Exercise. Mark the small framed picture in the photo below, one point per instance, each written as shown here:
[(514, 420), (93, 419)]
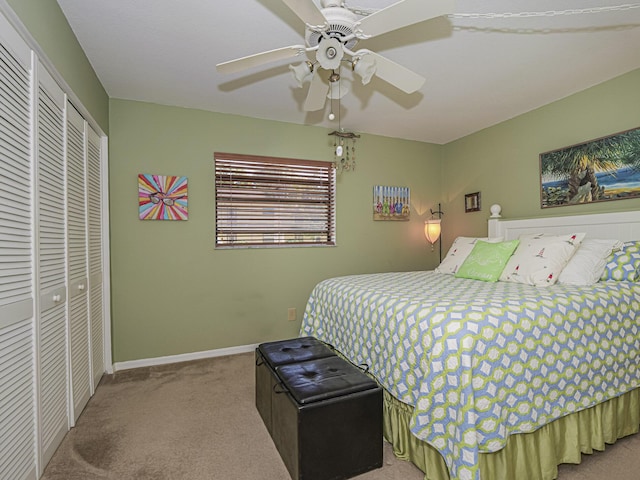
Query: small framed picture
[(391, 203), (472, 202), (162, 197)]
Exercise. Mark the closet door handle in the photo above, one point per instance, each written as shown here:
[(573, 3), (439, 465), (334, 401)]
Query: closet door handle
[(81, 287), (56, 298)]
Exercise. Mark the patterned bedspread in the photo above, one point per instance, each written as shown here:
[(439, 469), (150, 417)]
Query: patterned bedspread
[(480, 361)]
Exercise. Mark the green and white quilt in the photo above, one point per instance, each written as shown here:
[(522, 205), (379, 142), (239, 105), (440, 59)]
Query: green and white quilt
[(480, 361)]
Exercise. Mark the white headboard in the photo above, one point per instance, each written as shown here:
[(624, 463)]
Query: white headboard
[(619, 225)]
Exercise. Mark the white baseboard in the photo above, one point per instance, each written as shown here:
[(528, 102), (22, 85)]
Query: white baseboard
[(183, 357)]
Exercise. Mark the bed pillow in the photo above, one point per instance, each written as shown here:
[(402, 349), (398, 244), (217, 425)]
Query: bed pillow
[(623, 265), (459, 251), (487, 260), (588, 263), (540, 258)]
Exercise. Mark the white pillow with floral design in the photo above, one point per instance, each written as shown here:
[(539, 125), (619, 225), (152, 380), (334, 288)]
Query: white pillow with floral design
[(539, 259), (459, 251)]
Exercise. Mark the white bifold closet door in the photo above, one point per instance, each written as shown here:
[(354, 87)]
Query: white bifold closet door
[(53, 308), (17, 379), (79, 336), (95, 245), (51, 273)]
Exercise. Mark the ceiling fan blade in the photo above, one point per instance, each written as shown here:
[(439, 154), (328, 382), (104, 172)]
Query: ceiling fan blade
[(257, 59), (394, 73), (402, 14), (317, 94), (307, 11)]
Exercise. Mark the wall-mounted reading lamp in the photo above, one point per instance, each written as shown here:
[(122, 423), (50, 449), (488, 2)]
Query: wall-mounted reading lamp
[(433, 228)]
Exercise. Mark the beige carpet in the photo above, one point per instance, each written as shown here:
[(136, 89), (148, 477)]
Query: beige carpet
[(197, 421)]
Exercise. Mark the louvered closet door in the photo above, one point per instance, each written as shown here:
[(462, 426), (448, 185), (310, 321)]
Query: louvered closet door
[(50, 227), (77, 262), (17, 380), (94, 211)]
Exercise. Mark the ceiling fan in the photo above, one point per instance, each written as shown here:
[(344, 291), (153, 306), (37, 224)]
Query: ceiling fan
[(331, 34)]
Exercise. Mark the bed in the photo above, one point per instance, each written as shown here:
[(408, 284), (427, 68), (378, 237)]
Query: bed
[(498, 379)]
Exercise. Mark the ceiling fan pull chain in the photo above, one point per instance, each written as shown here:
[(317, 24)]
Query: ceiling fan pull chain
[(332, 115)]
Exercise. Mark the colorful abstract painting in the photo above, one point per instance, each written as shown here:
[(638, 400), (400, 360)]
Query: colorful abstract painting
[(162, 197)]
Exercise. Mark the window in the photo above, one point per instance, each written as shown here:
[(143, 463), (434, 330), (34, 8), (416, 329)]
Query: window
[(266, 201)]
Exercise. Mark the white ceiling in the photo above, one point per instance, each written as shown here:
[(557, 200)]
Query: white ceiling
[(479, 71)]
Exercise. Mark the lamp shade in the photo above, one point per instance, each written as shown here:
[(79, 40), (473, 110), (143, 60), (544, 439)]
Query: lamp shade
[(432, 229), (365, 67), (301, 72), (330, 53)]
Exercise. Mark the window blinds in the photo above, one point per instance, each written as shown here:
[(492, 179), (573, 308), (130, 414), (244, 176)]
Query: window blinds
[(266, 201)]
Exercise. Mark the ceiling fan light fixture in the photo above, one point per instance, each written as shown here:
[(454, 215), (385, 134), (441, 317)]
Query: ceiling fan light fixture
[(331, 32), (365, 67), (302, 72), (329, 53)]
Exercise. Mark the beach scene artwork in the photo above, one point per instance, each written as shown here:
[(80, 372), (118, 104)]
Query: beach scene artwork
[(600, 170), (391, 203)]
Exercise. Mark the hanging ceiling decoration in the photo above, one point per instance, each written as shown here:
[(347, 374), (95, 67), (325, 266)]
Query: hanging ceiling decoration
[(344, 142), (344, 150), (331, 34)]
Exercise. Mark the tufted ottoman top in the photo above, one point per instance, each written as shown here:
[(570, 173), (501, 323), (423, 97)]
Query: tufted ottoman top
[(294, 350), (323, 378)]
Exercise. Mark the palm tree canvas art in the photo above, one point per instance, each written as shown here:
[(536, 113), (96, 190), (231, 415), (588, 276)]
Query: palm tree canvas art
[(604, 169)]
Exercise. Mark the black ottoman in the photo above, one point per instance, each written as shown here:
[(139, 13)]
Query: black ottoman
[(273, 354), (327, 419)]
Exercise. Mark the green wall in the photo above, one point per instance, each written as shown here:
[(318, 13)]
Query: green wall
[(49, 27), (502, 162), (174, 293)]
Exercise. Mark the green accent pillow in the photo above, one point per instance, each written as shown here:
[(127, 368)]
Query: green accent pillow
[(487, 260)]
